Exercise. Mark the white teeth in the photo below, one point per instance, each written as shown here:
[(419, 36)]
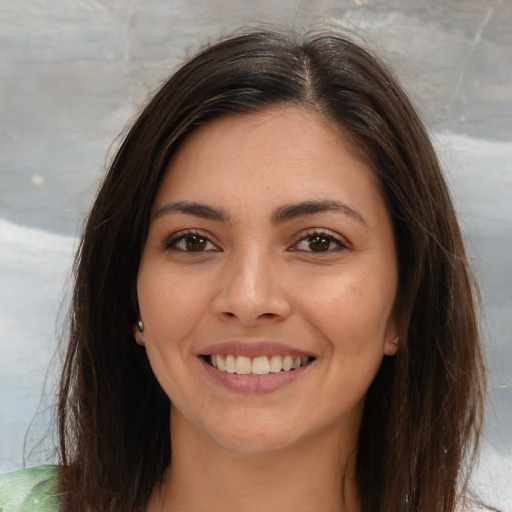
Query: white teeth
[(287, 363), (275, 364), (230, 364), (262, 365), (243, 365)]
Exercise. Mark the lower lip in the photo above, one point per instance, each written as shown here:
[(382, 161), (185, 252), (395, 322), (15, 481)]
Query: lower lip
[(254, 383)]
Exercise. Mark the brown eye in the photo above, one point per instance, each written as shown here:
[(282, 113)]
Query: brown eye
[(319, 243), (195, 243), (190, 242)]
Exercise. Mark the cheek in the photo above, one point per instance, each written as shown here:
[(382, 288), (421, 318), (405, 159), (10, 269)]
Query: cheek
[(172, 306), (167, 312), (353, 308), (351, 315), (169, 304)]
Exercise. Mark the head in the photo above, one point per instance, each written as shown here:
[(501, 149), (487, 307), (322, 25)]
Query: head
[(423, 406)]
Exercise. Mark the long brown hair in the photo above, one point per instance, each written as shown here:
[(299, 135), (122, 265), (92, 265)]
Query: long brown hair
[(423, 411)]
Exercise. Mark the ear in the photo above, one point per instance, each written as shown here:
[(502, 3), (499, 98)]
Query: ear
[(391, 346), (138, 336), (391, 338)]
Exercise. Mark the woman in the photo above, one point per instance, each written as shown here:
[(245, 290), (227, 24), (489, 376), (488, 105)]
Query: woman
[(273, 308)]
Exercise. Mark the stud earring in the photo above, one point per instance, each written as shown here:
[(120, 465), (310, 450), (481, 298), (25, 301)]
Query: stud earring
[(395, 340), (140, 326)]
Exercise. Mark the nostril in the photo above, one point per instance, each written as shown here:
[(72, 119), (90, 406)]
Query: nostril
[(229, 314)]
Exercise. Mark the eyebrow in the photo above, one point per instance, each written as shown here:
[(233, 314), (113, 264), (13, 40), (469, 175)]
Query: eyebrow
[(280, 215), (292, 211), (191, 208)]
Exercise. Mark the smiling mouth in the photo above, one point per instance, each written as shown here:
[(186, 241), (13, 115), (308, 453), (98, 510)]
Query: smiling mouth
[(257, 366)]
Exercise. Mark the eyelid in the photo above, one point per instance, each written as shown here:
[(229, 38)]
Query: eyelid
[(183, 233), (336, 237)]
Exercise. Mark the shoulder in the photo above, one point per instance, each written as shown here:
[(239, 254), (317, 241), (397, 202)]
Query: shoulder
[(29, 490)]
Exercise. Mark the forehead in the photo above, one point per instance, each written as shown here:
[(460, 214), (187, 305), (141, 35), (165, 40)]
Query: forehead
[(286, 132), (283, 154)]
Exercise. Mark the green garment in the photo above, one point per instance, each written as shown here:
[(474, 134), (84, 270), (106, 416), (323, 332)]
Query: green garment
[(29, 490)]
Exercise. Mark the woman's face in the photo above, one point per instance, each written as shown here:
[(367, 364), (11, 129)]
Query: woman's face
[(270, 246)]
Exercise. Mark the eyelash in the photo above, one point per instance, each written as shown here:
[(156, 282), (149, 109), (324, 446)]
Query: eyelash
[(328, 237), (325, 235), (174, 240)]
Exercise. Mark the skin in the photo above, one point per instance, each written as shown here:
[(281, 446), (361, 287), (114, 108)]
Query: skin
[(323, 283)]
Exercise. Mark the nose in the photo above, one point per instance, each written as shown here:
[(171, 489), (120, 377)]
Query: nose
[(251, 292)]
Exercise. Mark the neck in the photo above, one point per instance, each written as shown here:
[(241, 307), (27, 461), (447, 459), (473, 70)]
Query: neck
[(317, 476)]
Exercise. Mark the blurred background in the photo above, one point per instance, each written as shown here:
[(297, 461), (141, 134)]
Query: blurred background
[(74, 73)]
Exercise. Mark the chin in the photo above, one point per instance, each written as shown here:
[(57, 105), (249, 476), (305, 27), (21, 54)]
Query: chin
[(255, 437), (256, 443)]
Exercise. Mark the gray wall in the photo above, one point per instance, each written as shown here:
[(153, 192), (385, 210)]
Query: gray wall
[(73, 73)]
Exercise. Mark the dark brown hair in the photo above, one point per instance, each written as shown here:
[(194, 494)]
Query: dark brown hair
[(424, 409)]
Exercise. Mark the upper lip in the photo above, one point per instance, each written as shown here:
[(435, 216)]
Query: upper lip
[(253, 349)]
